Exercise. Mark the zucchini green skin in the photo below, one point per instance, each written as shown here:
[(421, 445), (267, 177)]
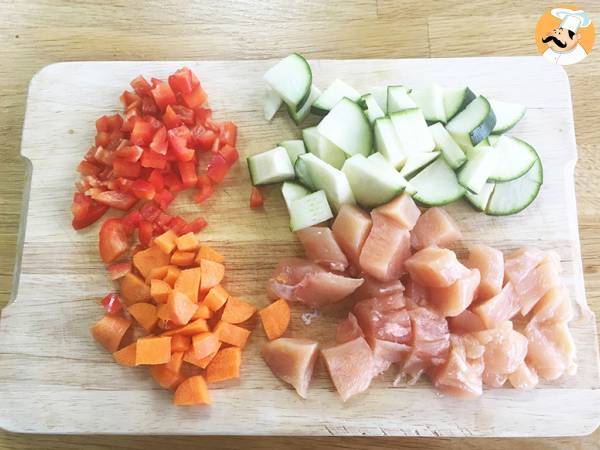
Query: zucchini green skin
[(307, 94), (485, 127), (468, 98)]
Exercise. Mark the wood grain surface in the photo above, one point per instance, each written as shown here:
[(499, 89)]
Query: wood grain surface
[(37, 33)]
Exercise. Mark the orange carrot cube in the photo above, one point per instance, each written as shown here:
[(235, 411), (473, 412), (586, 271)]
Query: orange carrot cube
[(231, 334), (134, 289), (153, 350), (192, 391), (275, 318), (172, 275), (146, 260), (180, 307), (204, 344), (187, 242), (180, 343), (109, 331), (237, 310), (209, 253), (182, 259), (212, 274), (216, 298), (225, 365), (126, 356), (190, 357), (188, 282), (160, 290), (166, 241)]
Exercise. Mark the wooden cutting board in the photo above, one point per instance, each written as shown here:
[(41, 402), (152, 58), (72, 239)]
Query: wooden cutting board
[(55, 379)]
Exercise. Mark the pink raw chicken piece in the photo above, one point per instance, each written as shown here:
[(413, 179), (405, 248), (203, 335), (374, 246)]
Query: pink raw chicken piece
[(434, 227), (351, 367), (385, 353), (499, 308), (535, 284), (551, 350), (505, 348), (386, 249), (461, 375), (384, 318), (402, 210), (490, 263), (555, 306), (321, 247), (521, 262), (348, 330), (452, 300), (351, 228), (372, 287), (292, 360), (523, 378), (435, 267), (494, 380), (415, 294), (429, 343), (465, 322), (292, 270)]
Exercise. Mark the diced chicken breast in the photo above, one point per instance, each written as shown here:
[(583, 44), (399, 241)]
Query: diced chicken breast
[(321, 247), (351, 228), (386, 249), (348, 330), (415, 294), (385, 353), (465, 322), (292, 270), (452, 300), (555, 306), (434, 227), (551, 351), (490, 263), (499, 308), (535, 284), (524, 378), (350, 366), (521, 262), (435, 267), (505, 348), (292, 360), (372, 287), (494, 380), (402, 210), (459, 376), (384, 318)]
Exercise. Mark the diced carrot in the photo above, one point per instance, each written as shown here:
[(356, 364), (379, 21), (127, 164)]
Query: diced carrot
[(166, 241), (225, 365), (192, 391), (134, 290), (216, 298), (188, 282), (180, 343), (231, 334), (204, 344), (174, 365), (166, 378), (237, 310), (209, 253), (275, 318), (160, 290), (146, 260), (180, 307), (190, 357), (163, 312), (172, 275), (144, 314), (109, 331), (182, 259), (192, 328), (187, 242), (203, 312), (153, 350), (212, 274), (126, 356), (157, 273)]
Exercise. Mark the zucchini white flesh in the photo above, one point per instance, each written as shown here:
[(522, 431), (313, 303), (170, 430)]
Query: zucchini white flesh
[(299, 116), (451, 151), (311, 136), (303, 174), (412, 131), (386, 168), (329, 179), (336, 91), (436, 184), (309, 210), (347, 127), (271, 166), (477, 169), (371, 186), (374, 111), (398, 99), (291, 78), (514, 158), (292, 191), (431, 101), (457, 99), (514, 196), (416, 162), (472, 124), (387, 142), (480, 201), (323, 148), (507, 115), (294, 148), (272, 103), (380, 94)]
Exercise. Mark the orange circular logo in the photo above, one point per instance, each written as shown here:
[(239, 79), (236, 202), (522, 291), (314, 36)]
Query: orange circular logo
[(565, 35)]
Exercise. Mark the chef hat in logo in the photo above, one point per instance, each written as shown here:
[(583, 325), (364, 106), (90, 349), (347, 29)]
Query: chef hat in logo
[(571, 20)]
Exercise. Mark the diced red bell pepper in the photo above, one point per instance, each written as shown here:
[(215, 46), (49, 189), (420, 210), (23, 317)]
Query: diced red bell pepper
[(202, 115), (178, 141), (195, 98), (170, 118), (124, 168), (163, 220), (112, 303), (145, 233), (204, 193), (177, 224), (142, 132), (229, 133), (256, 198), (143, 189), (163, 199), (119, 270), (217, 168), (102, 138), (93, 213), (113, 240), (187, 172), (216, 145), (88, 168), (154, 160), (230, 153), (156, 179), (186, 115), (160, 142), (203, 139), (127, 98), (131, 220), (120, 184), (141, 86), (80, 206), (195, 226), (163, 94), (183, 81), (131, 153), (150, 211), (149, 107), (118, 200)]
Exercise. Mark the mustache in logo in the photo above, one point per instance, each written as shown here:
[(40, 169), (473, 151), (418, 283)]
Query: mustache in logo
[(556, 41)]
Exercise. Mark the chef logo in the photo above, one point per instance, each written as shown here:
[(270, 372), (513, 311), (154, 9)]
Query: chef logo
[(565, 35)]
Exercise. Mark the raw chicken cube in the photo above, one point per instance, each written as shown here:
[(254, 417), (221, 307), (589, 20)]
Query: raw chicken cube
[(348, 330), (351, 367), (535, 284), (551, 350), (452, 300), (524, 378), (372, 287), (385, 353), (384, 318), (435, 267), (321, 247), (402, 210), (351, 228), (555, 306), (415, 294), (465, 322), (292, 360), (505, 348), (459, 376), (499, 308), (386, 249), (494, 380), (521, 262), (434, 227), (490, 263)]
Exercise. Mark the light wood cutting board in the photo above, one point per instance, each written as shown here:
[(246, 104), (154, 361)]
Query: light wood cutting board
[(55, 379)]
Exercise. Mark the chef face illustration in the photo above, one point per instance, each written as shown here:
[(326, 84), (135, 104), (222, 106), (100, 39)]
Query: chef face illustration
[(563, 42)]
